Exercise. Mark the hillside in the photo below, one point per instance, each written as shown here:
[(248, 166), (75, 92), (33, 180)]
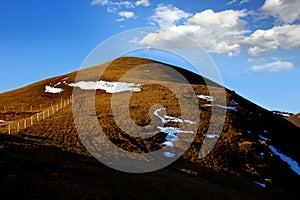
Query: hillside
[(295, 119), (48, 159)]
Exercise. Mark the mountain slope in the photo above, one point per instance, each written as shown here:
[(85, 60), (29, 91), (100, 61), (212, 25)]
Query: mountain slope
[(295, 119), (242, 165)]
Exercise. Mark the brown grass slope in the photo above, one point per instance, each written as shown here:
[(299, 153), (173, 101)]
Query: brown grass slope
[(295, 119), (49, 159)]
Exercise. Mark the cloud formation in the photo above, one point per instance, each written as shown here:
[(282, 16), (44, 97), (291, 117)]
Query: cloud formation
[(145, 3), (262, 42), (125, 15), (167, 15), (286, 11), (218, 32), (118, 4), (272, 67)]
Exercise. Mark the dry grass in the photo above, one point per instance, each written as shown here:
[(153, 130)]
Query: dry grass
[(227, 172)]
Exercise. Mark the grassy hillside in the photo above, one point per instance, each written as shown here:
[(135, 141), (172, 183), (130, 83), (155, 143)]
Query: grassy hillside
[(49, 160)]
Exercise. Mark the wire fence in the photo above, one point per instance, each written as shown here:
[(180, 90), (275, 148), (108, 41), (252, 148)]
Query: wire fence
[(29, 117)]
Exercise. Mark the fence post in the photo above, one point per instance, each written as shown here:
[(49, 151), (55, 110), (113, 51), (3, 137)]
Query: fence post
[(48, 112), (9, 129), (31, 120), (18, 127), (43, 114), (37, 117), (24, 123)]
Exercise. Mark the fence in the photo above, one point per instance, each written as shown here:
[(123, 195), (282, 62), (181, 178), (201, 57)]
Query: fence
[(16, 126)]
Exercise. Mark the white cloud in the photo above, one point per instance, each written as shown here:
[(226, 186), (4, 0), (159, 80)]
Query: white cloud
[(272, 67), (286, 11), (142, 3), (218, 32), (125, 15), (231, 2), (265, 41), (118, 4), (113, 4), (100, 2), (167, 16), (244, 1)]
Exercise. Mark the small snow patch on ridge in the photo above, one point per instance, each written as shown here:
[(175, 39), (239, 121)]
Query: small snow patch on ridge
[(53, 90)]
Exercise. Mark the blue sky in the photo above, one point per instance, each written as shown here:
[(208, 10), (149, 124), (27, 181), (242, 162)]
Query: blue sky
[(254, 43)]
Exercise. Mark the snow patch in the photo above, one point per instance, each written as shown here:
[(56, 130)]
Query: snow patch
[(171, 137), (172, 130), (207, 98), (169, 154), (57, 84), (261, 184), (211, 136), (282, 114), (234, 102), (109, 87), (264, 138), (228, 107), (293, 164), (167, 119), (168, 143), (50, 89)]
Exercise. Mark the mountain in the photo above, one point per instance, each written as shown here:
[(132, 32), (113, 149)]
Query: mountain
[(255, 157), (295, 119)]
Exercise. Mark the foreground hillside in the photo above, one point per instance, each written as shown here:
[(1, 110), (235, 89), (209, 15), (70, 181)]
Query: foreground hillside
[(48, 159)]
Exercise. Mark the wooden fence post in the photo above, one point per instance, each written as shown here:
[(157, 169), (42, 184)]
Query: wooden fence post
[(24, 123), (9, 129), (18, 127)]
